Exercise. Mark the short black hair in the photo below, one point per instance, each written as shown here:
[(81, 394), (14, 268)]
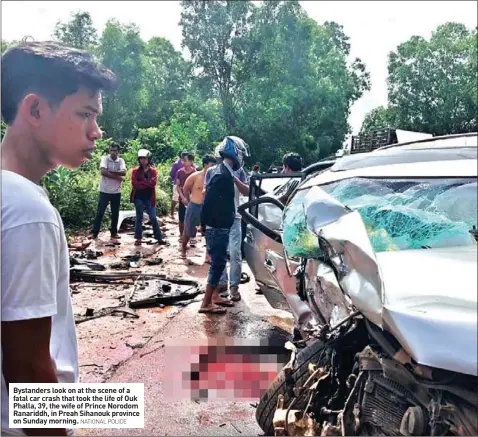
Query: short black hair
[(114, 145), (190, 156), (208, 159), (183, 155), (50, 70), (293, 161)]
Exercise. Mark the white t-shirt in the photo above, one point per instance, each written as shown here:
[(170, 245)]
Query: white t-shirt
[(35, 274), (108, 185)]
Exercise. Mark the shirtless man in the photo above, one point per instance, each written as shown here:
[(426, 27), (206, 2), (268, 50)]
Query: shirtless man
[(193, 192)]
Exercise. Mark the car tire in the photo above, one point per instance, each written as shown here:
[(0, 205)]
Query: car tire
[(267, 405)]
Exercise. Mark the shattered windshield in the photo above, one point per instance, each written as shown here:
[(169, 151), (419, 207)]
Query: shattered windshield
[(405, 214)]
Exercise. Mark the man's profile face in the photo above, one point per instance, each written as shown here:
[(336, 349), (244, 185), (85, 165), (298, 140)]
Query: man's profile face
[(114, 152), (67, 132)]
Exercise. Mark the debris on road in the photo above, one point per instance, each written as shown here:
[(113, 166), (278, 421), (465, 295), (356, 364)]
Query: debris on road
[(149, 292), (91, 314), (82, 263)]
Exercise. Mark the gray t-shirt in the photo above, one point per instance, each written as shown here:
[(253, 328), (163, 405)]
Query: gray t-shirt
[(108, 185), (240, 174)]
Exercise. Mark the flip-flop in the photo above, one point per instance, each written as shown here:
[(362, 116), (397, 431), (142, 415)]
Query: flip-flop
[(224, 303), (214, 310)]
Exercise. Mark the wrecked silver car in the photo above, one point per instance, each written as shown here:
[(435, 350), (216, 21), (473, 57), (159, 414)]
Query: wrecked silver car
[(376, 258)]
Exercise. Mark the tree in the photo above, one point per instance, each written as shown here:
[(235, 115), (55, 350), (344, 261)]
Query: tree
[(216, 35), (122, 50), (432, 84), (300, 86), (167, 79), (78, 32), (379, 118)]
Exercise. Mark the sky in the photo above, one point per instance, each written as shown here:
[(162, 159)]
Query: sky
[(375, 28)]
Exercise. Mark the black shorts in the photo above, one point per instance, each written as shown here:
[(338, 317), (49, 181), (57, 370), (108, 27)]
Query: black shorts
[(181, 212)]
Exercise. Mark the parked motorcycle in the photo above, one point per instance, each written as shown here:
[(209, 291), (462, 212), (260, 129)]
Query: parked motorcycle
[(355, 377)]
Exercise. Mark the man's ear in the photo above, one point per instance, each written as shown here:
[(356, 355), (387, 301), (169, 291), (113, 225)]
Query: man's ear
[(33, 108)]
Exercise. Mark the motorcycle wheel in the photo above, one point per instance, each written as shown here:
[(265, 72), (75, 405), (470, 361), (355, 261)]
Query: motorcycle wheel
[(267, 405)]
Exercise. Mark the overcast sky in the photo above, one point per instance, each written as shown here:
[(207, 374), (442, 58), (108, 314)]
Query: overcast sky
[(375, 27)]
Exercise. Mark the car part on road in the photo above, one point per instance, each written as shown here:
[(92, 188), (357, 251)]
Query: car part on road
[(152, 292), (82, 264), (92, 314)]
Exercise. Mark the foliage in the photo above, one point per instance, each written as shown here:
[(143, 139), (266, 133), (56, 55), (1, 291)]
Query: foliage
[(4, 128), (300, 87), (432, 84), (379, 118), (78, 32), (216, 35)]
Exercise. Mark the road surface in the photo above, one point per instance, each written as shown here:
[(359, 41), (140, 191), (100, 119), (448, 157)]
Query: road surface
[(150, 348)]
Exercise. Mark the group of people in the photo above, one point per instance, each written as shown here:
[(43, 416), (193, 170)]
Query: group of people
[(218, 219), (51, 101), (144, 178)]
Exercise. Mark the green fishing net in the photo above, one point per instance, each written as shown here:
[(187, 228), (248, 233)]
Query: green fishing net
[(398, 214)]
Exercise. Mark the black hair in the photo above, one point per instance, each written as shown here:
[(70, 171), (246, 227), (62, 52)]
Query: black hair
[(208, 159), (50, 70), (293, 161), (115, 146), (183, 155), (190, 156)]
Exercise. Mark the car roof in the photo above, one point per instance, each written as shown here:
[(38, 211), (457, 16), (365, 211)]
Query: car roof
[(452, 156), (453, 147), (464, 168)]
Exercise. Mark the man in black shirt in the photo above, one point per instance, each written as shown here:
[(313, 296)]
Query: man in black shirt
[(217, 214)]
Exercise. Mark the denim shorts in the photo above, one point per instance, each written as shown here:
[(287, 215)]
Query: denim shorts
[(217, 241)]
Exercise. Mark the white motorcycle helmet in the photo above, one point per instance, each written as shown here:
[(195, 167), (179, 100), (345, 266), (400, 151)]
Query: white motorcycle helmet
[(143, 153)]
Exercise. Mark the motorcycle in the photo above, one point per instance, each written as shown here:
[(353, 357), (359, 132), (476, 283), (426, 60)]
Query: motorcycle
[(374, 363)]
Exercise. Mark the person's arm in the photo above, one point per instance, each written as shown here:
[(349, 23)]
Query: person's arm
[(173, 171), (146, 183), (240, 183), (29, 287), (188, 185)]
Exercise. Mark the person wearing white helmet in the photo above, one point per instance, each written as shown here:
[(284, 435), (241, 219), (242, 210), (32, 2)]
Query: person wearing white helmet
[(218, 214), (143, 180)]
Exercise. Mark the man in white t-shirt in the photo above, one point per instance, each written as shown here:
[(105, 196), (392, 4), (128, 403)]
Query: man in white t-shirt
[(113, 171), (50, 101)]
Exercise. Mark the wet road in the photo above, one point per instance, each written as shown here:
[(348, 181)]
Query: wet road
[(169, 411)]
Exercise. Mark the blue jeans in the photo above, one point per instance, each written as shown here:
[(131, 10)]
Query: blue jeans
[(235, 255), (217, 241), (142, 205)]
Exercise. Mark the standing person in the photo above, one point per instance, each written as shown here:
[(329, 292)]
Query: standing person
[(51, 99), (144, 179), (255, 170), (218, 214), (181, 176), (193, 192), (235, 241), (113, 172), (178, 165), (291, 162)]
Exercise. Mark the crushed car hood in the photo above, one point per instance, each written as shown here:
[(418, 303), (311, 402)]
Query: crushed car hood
[(430, 305)]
